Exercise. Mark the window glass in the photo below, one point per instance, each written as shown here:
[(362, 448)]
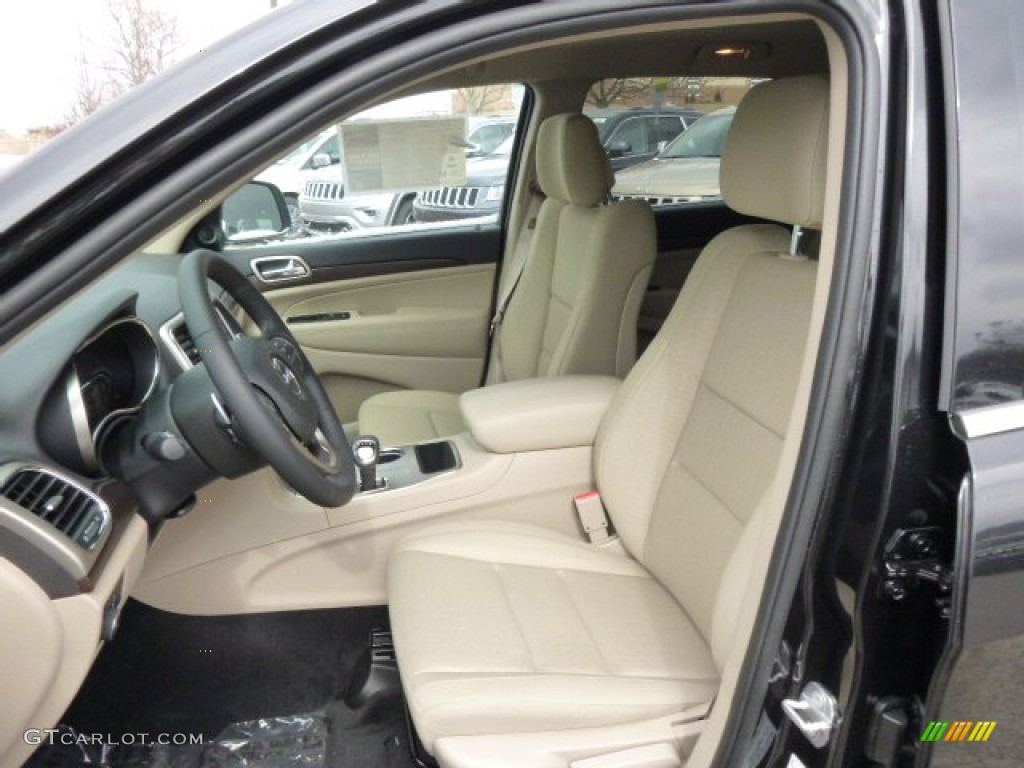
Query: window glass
[(629, 138), (433, 159), (664, 128), (688, 118), (331, 149), (705, 138)]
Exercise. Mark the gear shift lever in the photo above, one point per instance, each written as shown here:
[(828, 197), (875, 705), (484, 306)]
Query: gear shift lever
[(366, 450)]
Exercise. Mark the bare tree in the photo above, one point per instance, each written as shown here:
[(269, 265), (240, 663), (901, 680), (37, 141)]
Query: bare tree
[(90, 94), (144, 41), (606, 92), (477, 99)]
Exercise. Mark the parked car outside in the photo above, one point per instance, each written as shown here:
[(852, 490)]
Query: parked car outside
[(686, 171), (325, 208), (289, 174), (633, 135), (628, 136), (485, 134), (480, 196)]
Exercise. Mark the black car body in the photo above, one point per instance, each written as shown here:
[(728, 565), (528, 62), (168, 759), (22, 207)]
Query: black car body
[(894, 584)]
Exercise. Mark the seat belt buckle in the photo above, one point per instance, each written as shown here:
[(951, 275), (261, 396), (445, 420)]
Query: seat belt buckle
[(593, 518)]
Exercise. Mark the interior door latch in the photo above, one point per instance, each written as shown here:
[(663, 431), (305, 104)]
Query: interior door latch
[(815, 713), (275, 269)]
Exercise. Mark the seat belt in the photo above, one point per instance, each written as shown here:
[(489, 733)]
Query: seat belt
[(520, 256)]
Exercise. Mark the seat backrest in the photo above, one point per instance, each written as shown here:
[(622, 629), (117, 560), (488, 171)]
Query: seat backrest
[(690, 446), (576, 305)]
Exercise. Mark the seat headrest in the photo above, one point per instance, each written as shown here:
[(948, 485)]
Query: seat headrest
[(571, 163), (773, 162)]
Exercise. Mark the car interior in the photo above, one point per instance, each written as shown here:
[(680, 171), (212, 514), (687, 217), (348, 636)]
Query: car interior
[(555, 551)]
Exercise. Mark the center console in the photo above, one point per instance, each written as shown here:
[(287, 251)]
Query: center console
[(254, 545), (396, 468)]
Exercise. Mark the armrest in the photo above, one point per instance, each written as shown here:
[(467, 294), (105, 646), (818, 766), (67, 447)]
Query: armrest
[(538, 414)]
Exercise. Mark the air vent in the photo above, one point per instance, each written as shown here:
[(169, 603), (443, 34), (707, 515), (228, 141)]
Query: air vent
[(183, 339), (71, 510)]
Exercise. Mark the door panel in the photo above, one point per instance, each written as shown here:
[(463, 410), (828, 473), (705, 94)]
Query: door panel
[(419, 330), (418, 300), (386, 251)]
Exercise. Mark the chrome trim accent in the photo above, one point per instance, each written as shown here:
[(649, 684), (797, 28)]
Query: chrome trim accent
[(166, 333), (68, 554), (121, 412), (289, 268), (80, 419), (327, 461), (988, 420)]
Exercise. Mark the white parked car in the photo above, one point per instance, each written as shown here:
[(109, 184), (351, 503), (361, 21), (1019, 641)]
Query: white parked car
[(290, 173)]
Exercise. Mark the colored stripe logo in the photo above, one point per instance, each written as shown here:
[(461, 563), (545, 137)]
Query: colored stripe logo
[(959, 730)]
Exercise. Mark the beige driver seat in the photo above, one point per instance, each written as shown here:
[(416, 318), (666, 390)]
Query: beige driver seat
[(505, 628), (575, 307)]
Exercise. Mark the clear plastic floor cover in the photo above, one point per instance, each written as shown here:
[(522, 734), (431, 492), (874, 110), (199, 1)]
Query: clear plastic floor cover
[(297, 741)]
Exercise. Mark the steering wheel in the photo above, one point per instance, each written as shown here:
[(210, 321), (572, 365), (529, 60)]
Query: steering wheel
[(278, 406)]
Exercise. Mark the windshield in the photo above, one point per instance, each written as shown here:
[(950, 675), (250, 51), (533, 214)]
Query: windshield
[(505, 148), (705, 138), (299, 151)]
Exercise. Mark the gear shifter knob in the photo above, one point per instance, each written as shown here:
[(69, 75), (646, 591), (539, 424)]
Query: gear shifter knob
[(366, 450)]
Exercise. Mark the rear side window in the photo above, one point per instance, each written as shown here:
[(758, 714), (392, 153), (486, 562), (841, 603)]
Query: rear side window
[(683, 149)]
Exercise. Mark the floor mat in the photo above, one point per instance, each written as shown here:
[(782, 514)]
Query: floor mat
[(356, 740), (226, 689), (169, 673)]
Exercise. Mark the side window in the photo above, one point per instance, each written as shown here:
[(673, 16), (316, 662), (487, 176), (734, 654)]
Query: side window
[(332, 150), (664, 129), (435, 157), (629, 138), (486, 138)]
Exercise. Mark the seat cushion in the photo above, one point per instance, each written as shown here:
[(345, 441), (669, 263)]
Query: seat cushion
[(411, 416), (507, 628)]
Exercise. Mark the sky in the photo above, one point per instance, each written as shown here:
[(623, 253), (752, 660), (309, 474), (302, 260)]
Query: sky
[(40, 41)]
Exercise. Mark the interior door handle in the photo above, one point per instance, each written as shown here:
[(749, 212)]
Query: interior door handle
[(275, 269)]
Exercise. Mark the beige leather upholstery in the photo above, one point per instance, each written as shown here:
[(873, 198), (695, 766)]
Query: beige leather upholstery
[(571, 164), (575, 307), (538, 414), (410, 416), (499, 629), (544, 632), (788, 183)]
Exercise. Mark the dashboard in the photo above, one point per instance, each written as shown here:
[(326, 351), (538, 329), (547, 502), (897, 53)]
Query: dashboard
[(80, 493), (77, 378)]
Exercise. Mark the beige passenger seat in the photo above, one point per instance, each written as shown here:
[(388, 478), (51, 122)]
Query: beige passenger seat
[(575, 307)]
